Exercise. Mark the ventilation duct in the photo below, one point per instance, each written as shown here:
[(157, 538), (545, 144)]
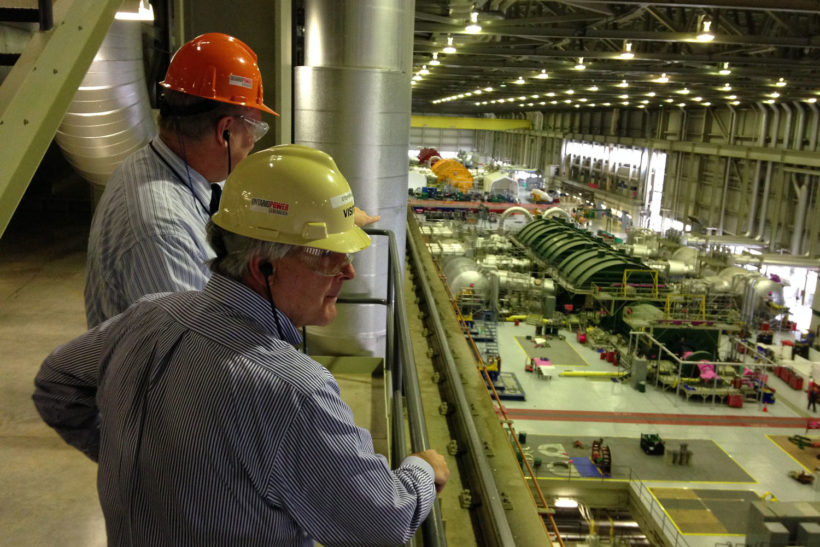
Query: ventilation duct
[(110, 116)]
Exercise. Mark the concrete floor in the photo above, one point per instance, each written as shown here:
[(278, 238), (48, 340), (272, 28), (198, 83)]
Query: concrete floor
[(51, 495), (746, 444)]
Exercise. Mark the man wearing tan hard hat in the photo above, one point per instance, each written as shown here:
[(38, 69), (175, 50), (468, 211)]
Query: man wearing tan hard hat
[(210, 428)]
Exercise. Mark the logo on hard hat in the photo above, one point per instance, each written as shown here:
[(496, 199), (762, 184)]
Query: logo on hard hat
[(267, 206), (240, 81)]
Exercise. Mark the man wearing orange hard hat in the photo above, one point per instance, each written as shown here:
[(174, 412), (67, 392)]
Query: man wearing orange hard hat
[(148, 232)]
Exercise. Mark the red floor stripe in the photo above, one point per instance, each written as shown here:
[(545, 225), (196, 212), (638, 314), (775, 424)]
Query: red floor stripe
[(656, 418)]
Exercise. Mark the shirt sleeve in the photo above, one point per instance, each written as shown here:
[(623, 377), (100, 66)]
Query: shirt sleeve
[(327, 476), (170, 263), (66, 389)]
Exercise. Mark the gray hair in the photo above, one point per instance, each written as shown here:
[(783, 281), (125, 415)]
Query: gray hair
[(233, 251), (193, 117)]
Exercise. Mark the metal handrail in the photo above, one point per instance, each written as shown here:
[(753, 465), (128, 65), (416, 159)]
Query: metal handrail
[(402, 366)]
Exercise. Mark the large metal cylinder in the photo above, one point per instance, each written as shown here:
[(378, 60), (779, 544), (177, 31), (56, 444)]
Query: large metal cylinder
[(352, 100), (110, 116), (463, 274)]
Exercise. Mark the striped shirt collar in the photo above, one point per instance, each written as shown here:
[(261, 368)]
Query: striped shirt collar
[(246, 303), (198, 183)]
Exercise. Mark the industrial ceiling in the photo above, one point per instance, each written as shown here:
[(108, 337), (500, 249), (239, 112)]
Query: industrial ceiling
[(541, 55)]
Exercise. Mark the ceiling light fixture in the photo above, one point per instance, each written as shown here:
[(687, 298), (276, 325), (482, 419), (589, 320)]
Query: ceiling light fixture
[(570, 91), (543, 75), (519, 81), (811, 100), (705, 30), (732, 97), (662, 79), (473, 27), (417, 77), (707, 104), (684, 91), (735, 103), (726, 87), (434, 61), (593, 88), (424, 71), (774, 94), (488, 89), (623, 96), (697, 99), (725, 71), (650, 94), (627, 52), (623, 84), (144, 12), (780, 82), (580, 65), (450, 47)]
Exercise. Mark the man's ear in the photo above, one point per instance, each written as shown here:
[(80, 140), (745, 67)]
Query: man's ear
[(224, 130)]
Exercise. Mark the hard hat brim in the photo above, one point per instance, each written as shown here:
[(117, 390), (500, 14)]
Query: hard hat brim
[(351, 241)]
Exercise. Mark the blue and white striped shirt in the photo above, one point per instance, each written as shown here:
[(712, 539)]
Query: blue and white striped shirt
[(211, 430), (148, 233)]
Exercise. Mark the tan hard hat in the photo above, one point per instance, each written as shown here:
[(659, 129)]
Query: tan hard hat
[(291, 194)]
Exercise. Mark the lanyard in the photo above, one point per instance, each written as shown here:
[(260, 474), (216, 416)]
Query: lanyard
[(184, 180)]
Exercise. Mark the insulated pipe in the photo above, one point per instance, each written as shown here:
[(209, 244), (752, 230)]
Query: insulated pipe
[(768, 181), (761, 141), (732, 126), (801, 126), (788, 129), (110, 116), (352, 100), (802, 193), (776, 224), (815, 121)]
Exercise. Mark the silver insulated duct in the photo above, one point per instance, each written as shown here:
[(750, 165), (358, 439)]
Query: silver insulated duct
[(352, 100), (110, 116)]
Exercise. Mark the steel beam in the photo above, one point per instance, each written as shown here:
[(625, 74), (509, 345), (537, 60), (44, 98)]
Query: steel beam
[(486, 124), (37, 92), (806, 6)]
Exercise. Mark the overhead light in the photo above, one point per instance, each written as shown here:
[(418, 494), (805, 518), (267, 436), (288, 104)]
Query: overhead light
[(623, 96), (424, 71), (607, 104), (473, 27), (645, 101), (684, 91), (662, 79), (697, 99), (811, 100), (725, 71), (780, 82), (726, 87), (553, 102), (477, 92), (417, 77), (735, 103), (770, 101), (623, 84), (583, 99), (681, 105), (488, 89), (450, 47), (570, 91), (542, 103), (707, 104), (551, 94), (468, 94), (535, 96), (543, 75), (568, 101), (627, 52), (413, 82), (522, 98), (580, 65), (650, 94), (669, 100), (139, 10), (577, 106), (705, 31), (774, 94), (641, 106), (732, 97), (593, 88), (434, 61), (519, 81)]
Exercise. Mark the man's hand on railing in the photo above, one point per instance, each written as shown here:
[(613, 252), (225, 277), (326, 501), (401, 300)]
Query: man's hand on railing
[(439, 465)]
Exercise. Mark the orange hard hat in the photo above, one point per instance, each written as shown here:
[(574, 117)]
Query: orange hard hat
[(218, 67)]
